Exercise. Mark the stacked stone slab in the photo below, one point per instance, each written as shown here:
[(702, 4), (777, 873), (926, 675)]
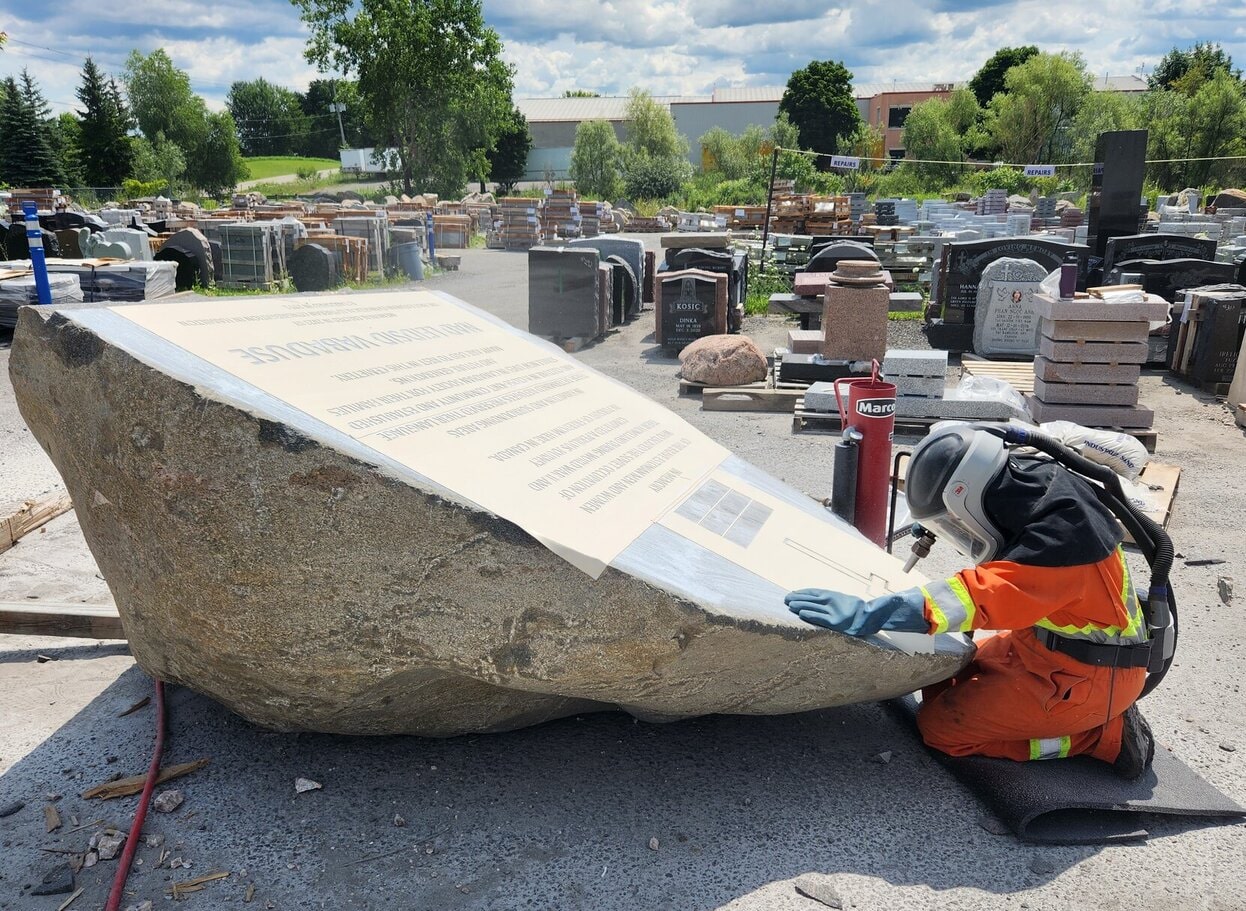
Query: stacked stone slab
[(1090, 356), (520, 223), (993, 202), (591, 214), (561, 214), (917, 373)]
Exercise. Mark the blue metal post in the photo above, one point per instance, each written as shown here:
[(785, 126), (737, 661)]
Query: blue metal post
[(34, 239)]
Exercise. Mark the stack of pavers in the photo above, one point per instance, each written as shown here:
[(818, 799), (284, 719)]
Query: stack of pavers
[(591, 214), (993, 202), (520, 226), (1071, 217), (918, 374), (561, 216), (789, 212), (1045, 214), (789, 252), (1090, 357), (885, 212)]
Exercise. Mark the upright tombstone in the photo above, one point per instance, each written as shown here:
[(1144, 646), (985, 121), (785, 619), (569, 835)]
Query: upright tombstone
[(961, 263), (1168, 278), (827, 258), (1116, 187), (625, 291), (650, 278), (564, 294), (1156, 247), (733, 265), (1006, 321), (691, 304), (631, 251)]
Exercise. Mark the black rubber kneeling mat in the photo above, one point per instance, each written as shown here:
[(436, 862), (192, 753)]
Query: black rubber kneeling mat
[(1081, 801)]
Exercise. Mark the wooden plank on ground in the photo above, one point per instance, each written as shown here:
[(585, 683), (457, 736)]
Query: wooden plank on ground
[(745, 398), (77, 621), (29, 516), (1018, 374)]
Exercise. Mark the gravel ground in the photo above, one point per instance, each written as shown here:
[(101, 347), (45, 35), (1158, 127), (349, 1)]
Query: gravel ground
[(564, 815)]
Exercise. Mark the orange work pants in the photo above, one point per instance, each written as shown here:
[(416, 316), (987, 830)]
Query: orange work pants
[(1019, 700)]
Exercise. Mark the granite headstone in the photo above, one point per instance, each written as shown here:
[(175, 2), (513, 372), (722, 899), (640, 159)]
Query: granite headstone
[(1156, 247), (1006, 321), (563, 293), (1116, 187), (692, 303)]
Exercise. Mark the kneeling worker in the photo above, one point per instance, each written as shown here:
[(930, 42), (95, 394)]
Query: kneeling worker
[(1050, 570)]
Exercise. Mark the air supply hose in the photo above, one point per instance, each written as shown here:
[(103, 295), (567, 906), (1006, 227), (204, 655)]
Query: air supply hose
[(1148, 534)]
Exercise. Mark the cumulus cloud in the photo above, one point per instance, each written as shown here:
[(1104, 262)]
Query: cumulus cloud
[(671, 47)]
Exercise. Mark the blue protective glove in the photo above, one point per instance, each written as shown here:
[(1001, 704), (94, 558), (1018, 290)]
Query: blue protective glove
[(899, 612)]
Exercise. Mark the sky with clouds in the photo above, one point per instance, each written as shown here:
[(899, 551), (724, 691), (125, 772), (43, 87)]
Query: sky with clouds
[(671, 47)]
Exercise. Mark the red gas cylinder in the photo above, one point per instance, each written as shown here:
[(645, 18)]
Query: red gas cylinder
[(871, 409)]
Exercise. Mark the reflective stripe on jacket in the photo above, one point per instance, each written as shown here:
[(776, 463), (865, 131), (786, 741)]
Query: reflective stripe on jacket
[(1092, 601)]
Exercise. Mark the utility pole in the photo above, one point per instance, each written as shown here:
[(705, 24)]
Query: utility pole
[(337, 107)]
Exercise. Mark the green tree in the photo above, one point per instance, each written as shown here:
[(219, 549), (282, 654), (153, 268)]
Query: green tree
[(168, 111), (580, 93), (651, 129), (160, 163), (219, 165), (989, 81), (1216, 127), (65, 140), (26, 155), (1031, 120), (1165, 115), (595, 160), (1186, 71), (162, 102), (655, 157), (106, 152), (929, 133), (1102, 112), (508, 159), (819, 101), (784, 133), (324, 139), (430, 73), (269, 118)]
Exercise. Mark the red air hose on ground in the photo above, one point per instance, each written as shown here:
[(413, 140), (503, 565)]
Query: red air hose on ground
[(140, 813)]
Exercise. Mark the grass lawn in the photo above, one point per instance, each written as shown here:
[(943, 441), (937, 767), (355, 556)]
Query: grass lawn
[(266, 166)]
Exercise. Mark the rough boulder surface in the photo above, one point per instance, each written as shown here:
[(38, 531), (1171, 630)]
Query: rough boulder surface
[(308, 590), (723, 360), (1231, 199)]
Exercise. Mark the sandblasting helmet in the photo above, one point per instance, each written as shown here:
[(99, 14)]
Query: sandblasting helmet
[(950, 470)]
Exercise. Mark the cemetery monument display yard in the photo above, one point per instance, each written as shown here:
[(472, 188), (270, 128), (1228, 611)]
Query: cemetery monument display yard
[(541, 512)]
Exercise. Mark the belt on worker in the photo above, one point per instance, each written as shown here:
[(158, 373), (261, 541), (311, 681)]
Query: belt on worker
[(1099, 654)]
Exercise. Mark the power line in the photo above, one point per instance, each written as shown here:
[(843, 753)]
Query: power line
[(998, 164)]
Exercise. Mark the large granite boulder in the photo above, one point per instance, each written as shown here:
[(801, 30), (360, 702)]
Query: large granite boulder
[(723, 360), (306, 586)]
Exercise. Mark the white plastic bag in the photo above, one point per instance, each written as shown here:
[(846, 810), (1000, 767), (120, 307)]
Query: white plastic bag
[(987, 389)]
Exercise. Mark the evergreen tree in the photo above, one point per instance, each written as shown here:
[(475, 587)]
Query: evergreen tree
[(105, 150), (27, 159)]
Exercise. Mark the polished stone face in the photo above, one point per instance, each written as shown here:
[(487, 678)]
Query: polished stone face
[(306, 587)]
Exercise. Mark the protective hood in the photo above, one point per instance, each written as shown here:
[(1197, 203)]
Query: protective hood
[(1048, 516)]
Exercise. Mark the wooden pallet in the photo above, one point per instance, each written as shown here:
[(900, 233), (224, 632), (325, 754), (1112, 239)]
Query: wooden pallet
[(748, 398), (1017, 374), (687, 387), (31, 515), (1164, 480), (823, 422), (77, 621)]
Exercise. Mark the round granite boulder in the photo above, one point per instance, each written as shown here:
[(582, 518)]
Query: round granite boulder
[(723, 360)]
